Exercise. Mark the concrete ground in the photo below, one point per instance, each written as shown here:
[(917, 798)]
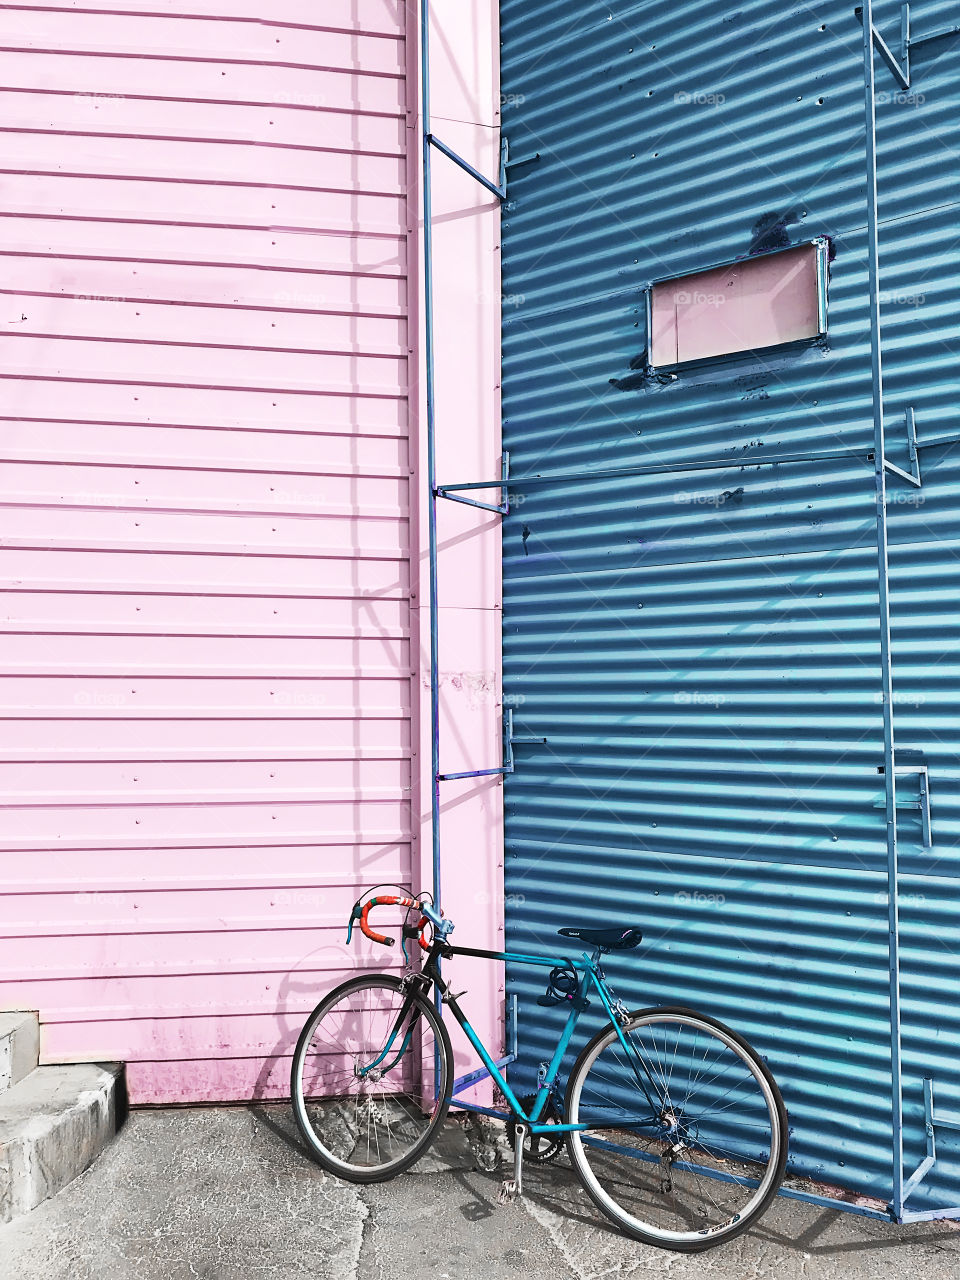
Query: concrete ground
[(227, 1194)]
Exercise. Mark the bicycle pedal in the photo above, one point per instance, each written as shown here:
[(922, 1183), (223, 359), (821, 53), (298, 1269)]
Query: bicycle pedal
[(508, 1191)]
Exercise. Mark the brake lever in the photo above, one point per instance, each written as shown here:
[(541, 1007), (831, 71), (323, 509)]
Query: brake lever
[(354, 915)]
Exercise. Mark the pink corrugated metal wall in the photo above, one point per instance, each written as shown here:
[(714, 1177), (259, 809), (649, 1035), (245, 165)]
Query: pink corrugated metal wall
[(206, 522)]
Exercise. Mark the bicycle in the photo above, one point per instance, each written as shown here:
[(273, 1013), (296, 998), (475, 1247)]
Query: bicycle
[(670, 1146)]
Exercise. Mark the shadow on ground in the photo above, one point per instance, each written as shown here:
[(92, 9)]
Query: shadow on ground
[(228, 1194)]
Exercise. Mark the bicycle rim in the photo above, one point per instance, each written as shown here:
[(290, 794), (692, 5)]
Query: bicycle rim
[(686, 1143), (365, 1087)]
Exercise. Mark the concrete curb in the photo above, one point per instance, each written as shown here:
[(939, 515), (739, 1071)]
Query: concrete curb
[(53, 1124)]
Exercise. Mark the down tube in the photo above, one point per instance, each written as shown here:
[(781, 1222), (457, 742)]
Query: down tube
[(485, 1058)]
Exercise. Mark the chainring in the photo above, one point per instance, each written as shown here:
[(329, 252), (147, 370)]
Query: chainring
[(540, 1148)]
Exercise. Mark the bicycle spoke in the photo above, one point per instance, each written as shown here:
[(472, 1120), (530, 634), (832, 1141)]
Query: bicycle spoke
[(371, 1107), (713, 1156)]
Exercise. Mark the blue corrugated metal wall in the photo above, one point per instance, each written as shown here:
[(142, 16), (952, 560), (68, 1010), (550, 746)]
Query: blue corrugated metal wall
[(701, 650)]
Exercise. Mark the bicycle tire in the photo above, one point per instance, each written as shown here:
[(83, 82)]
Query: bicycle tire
[(633, 1171), (325, 1120)]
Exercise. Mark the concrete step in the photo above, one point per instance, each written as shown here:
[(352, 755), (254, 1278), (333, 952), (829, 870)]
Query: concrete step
[(19, 1047), (53, 1124)]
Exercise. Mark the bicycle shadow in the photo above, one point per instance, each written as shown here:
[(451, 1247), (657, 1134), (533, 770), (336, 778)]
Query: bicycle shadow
[(554, 1188), (270, 1108)]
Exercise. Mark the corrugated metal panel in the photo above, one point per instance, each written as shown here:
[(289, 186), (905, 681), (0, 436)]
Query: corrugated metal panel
[(205, 541), (701, 650)]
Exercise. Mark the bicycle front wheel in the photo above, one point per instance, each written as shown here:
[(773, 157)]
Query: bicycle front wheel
[(370, 1078), (685, 1137)]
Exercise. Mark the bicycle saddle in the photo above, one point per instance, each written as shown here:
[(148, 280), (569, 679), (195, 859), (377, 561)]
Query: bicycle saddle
[(622, 939)]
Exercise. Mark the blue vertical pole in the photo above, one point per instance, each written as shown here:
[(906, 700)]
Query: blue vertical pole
[(883, 565), (431, 446)]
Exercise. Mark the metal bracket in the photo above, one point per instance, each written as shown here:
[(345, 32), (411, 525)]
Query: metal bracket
[(900, 66), (922, 774), (914, 445), (500, 191), (510, 740), (932, 1121), (513, 1028), (913, 475), (942, 34), (502, 509), (508, 766)]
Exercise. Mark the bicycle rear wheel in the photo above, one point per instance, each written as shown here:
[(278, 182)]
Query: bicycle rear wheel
[(686, 1137), (370, 1078)]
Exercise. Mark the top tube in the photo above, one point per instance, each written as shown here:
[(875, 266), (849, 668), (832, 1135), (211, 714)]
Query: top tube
[(586, 964)]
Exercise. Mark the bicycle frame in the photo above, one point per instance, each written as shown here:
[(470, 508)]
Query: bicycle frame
[(590, 978)]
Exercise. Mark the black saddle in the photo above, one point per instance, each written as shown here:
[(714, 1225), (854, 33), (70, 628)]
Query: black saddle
[(622, 939)]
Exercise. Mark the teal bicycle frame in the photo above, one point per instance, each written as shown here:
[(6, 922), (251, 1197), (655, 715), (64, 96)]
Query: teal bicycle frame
[(590, 977)]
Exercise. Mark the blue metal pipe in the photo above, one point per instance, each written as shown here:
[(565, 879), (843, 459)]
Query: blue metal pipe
[(430, 395), (883, 575), (475, 1107), (615, 473), (473, 773), (831, 1202), (929, 1215), (926, 37), (481, 1073)]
